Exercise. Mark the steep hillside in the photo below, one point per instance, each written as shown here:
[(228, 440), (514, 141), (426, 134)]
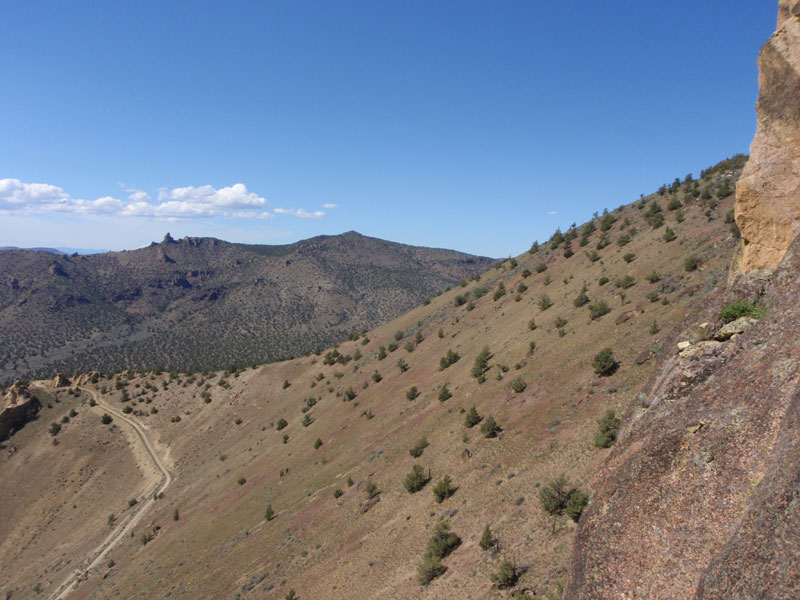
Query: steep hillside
[(318, 504), (201, 303)]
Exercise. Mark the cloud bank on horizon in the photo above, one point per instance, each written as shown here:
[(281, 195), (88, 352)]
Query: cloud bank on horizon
[(190, 202)]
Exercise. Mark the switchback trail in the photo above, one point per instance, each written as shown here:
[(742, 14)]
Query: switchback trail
[(124, 528)]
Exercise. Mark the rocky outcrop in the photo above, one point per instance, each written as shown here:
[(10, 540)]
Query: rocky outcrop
[(60, 380), (19, 407), (768, 193), (700, 498)]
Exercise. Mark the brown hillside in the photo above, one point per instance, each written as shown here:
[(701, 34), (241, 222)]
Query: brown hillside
[(219, 432)]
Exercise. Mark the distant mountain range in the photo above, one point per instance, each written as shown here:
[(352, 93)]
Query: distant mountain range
[(201, 303), (58, 250)]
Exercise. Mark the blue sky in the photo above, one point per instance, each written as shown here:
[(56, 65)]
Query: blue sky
[(478, 126)]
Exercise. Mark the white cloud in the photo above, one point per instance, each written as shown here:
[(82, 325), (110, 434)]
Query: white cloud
[(190, 202), (329, 205), (552, 212), (300, 212), (18, 196), (138, 196)]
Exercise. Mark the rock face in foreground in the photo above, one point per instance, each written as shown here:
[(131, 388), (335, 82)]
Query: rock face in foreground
[(700, 498), (768, 193)]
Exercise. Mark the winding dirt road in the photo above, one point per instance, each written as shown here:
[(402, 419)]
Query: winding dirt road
[(124, 528)]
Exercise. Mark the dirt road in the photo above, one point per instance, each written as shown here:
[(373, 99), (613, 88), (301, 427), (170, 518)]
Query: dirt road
[(124, 528)]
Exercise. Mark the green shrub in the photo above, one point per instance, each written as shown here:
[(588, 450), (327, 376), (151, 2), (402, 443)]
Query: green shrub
[(317, 444), (518, 385), (499, 292), (736, 310), (307, 420), (653, 296), (241, 481), (399, 335), (691, 263), (443, 489), (653, 276), (559, 498), (430, 568), (416, 479), (381, 353), (281, 424), (575, 504), (582, 299), (526, 273), (472, 418), (544, 302), (106, 419), (607, 430), (598, 309), (490, 428), (55, 428), (654, 328), (506, 576), (560, 322), (669, 235), (629, 257), (376, 377), (448, 359), (541, 268), (532, 324), (481, 364), (602, 281), (604, 362), (443, 541), (444, 393), (349, 394), (371, 489), (623, 240), (338, 493), (487, 541), (625, 282), (412, 393), (418, 448)]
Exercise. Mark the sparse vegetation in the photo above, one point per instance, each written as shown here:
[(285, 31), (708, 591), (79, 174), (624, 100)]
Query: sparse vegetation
[(736, 310), (418, 448), (598, 309), (448, 360), (558, 498), (506, 576), (607, 430), (472, 418), (416, 479), (444, 393), (487, 541), (604, 362), (490, 428)]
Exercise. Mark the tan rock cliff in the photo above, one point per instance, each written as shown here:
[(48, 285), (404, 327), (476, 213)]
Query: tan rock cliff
[(768, 193)]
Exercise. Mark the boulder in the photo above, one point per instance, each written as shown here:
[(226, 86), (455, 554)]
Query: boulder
[(735, 327)]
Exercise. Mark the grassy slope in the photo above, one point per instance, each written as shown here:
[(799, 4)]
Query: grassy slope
[(324, 547)]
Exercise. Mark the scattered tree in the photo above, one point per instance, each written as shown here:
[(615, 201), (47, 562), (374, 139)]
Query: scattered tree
[(604, 363)]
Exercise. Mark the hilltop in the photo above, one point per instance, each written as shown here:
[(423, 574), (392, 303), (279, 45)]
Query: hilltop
[(202, 303), (291, 476)]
